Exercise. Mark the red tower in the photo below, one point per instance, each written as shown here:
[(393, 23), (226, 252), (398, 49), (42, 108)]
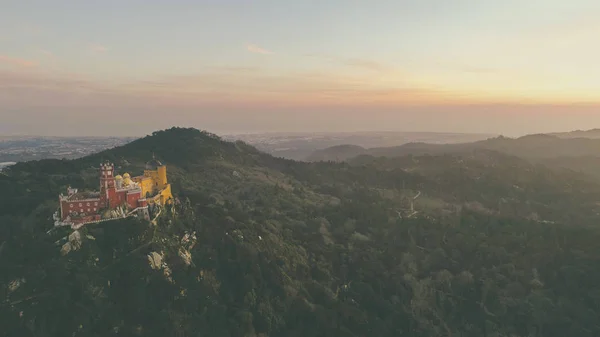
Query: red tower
[(107, 185)]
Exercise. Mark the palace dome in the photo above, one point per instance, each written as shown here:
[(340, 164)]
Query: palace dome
[(153, 164), (126, 180), (118, 177)]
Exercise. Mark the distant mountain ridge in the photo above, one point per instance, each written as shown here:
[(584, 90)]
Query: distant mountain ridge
[(592, 133), (535, 146), (299, 146)]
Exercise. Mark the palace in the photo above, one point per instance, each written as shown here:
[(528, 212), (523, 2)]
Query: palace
[(119, 196)]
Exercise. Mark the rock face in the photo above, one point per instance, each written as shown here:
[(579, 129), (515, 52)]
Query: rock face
[(73, 244), (188, 241), (155, 260), (186, 256)]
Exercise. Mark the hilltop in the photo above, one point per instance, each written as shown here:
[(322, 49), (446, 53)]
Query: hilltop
[(477, 243), (337, 153)]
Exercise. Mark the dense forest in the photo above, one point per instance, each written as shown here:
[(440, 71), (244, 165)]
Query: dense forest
[(469, 244)]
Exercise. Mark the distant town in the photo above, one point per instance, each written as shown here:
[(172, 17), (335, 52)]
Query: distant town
[(25, 148)]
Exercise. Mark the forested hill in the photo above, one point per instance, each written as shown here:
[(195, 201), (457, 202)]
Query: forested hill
[(537, 147), (473, 244)]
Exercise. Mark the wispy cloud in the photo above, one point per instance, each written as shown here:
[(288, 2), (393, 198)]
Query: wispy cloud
[(97, 48), (17, 61), (258, 50), (292, 88)]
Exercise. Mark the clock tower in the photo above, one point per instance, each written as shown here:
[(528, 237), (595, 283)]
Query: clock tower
[(107, 185)]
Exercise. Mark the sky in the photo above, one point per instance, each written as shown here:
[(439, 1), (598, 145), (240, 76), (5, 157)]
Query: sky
[(130, 67)]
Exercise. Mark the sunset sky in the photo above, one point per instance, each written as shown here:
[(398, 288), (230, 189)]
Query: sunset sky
[(129, 67)]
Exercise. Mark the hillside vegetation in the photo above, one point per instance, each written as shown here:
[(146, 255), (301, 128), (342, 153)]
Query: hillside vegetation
[(474, 243)]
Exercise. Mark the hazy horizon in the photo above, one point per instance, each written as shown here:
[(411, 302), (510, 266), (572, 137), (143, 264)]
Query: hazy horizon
[(112, 68), (274, 133), (336, 123)]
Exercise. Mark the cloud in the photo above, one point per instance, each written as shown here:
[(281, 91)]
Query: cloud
[(18, 62), (49, 82), (254, 85), (258, 50), (240, 87), (97, 48), (255, 98)]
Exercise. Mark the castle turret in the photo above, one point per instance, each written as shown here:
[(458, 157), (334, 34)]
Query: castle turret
[(71, 191), (153, 164), (157, 171), (119, 182), (107, 184)]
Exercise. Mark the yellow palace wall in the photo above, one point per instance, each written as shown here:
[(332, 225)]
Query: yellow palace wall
[(154, 183), (146, 184), (163, 197)]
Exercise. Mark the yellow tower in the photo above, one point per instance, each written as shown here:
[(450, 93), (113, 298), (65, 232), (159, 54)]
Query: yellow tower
[(154, 182), (162, 176)]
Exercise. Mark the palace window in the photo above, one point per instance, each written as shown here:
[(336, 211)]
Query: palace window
[(88, 204), (95, 204), (71, 205), (95, 209), (80, 204), (81, 210)]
